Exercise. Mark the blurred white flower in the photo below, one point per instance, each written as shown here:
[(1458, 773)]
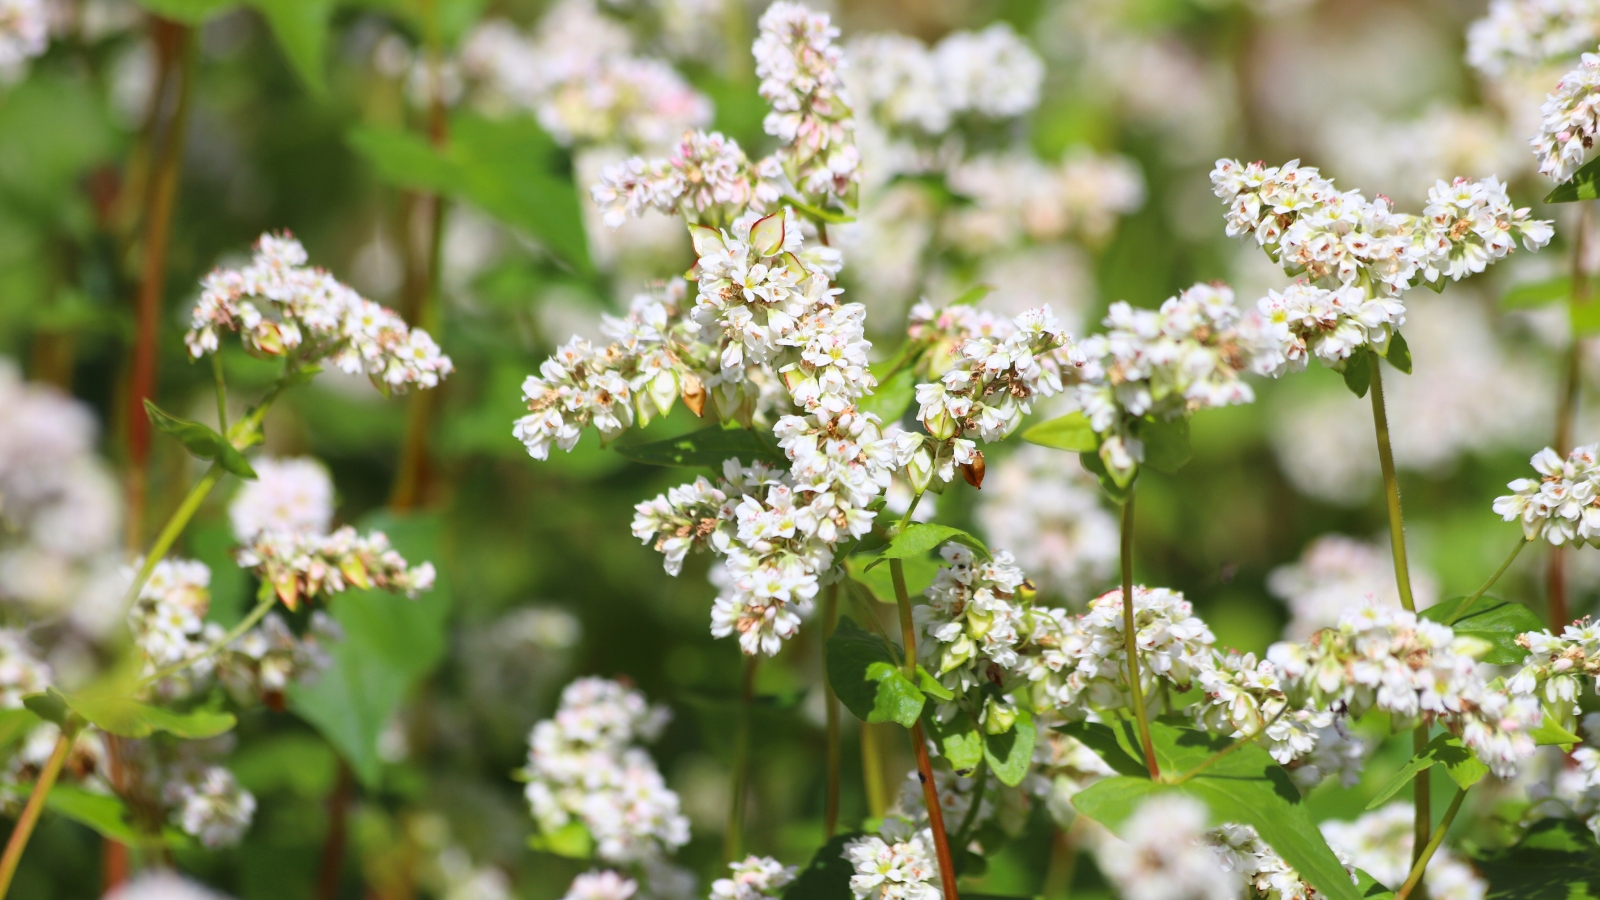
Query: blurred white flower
[(1335, 574), (1041, 505), (293, 494), (1161, 854), (1379, 843)]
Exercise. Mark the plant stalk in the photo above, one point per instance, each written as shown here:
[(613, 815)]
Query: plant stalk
[(830, 813), (1063, 863), (872, 779), (1420, 865), (1462, 609), (177, 42), (733, 838), (1130, 642), (262, 607), (1421, 797), (919, 742), (30, 813), (338, 835), (964, 832), (1567, 411)]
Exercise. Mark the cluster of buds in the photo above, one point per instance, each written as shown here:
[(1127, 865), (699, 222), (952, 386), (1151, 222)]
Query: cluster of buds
[(973, 618), (1563, 504), (798, 63), (1571, 119), (303, 565), (707, 180), (1555, 666), (282, 307)]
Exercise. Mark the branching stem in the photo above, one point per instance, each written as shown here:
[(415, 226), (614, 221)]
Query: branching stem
[(30, 813), (1462, 609), (248, 622), (1419, 866)]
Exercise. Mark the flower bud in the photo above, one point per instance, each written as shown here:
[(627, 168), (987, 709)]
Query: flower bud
[(694, 394), (973, 471), (998, 717), (920, 469)]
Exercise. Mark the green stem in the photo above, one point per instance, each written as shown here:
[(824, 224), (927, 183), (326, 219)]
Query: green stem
[(1130, 641), (733, 838), (919, 742), (1462, 609), (964, 833), (830, 815), (1420, 865), (248, 622), (1218, 756), (30, 813), (1063, 862), (222, 392), (1422, 799)]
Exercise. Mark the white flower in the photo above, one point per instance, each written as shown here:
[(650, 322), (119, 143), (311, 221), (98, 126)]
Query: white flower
[(279, 305), (208, 803), (798, 64), (992, 72), (894, 869), (22, 672), (1563, 504), (289, 494), (584, 765), (1160, 854), (1379, 843), (753, 878), (1240, 849), (1570, 121), (604, 885), (161, 884), (1335, 573), (972, 617), (24, 34), (1524, 34)]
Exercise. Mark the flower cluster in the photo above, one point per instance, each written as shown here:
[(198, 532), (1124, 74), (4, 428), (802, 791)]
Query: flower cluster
[(162, 884), (1571, 119), (602, 885), (753, 878), (282, 307), (1167, 363), (1519, 34), (1161, 853), (584, 766), (578, 76), (22, 672), (991, 74), (1555, 664), (208, 802), (894, 867), (798, 64), (1563, 505), (305, 565), (1240, 849), (288, 494), (706, 179), (1016, 195), (24, 34), (1389, 659), (1340, 238), (1335, 571), (1052, 519), (972, 618), (1569, 786), (1379, 843), (990, 384), (1329, 324)]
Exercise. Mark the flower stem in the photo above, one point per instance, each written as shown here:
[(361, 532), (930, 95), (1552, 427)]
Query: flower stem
[(1422, 798), (830, 814), (1462, 609), (1130, 641), (176, 42), (1218, 756), (30, 813), (733, 838), (1420, 865), (1063, 863), (919, 742), (964, 832), (169, 533), (1567, 410), (872, 770), (222, 392), (248, 622)]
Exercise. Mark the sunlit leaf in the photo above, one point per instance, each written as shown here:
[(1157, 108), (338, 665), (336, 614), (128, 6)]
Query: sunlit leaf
[(1497, 622), (864, 671)]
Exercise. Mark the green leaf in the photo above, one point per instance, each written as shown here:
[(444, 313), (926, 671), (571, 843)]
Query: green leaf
[(1497, 622), (202, 441), (1537, 293), (1358, 372), (15, 724), (391, 643), (1557, 859), (571, 840), (1581, 186), (1245, 786), (49, 706), (406, 159), (1070, 432), (189, 12), (903, 358), (119, 714), (1108, 745), (959, 740), (827, 876), (864, 671), (1550, 733), (892, 398), (973, 294), (1166, 445), (1010, 753), (1399, 353), (930, 685), (1585, 317), (1446, 749), (920, 537), (108, 816), (301, 29), (832, 217), (919, 573), (707, 447)]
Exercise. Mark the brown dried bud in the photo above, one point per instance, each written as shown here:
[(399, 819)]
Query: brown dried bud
[(973, 471), (694, 394)]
